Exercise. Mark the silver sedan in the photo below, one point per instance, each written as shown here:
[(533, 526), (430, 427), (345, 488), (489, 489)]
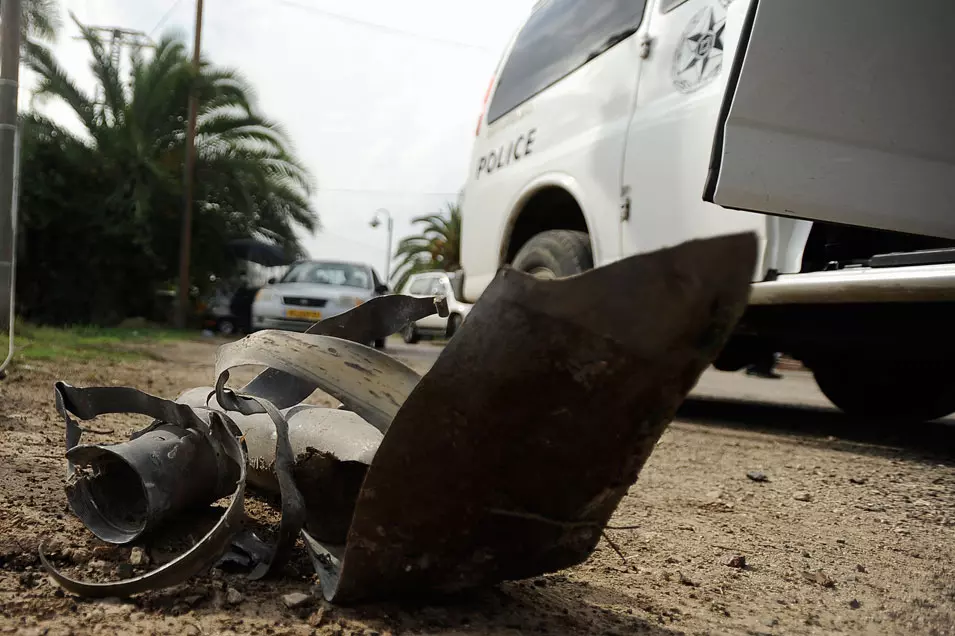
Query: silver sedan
[(314, 290)]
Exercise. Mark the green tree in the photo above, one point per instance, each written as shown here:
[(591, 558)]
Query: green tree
[(436, 246), (41, 19), (132, 149)]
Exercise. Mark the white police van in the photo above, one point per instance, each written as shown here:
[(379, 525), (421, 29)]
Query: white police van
[(619, 127)]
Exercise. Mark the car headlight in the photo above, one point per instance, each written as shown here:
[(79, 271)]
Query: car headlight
[(351, 300), (264, 295)]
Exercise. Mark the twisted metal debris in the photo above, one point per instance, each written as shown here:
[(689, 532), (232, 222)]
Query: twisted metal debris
[(505, 461)]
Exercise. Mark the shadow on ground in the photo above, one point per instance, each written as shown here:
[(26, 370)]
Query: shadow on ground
[(930, 441)]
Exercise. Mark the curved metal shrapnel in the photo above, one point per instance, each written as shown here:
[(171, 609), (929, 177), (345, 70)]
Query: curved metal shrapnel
[(507, 459)]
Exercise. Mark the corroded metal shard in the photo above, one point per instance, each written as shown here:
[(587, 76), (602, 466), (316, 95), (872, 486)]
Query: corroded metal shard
[(505, 461), (129, 492), (511, 454)]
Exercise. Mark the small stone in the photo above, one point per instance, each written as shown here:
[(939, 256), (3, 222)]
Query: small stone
[(819, 578), (738, 561), (842, 541), (79, 556), (807, 555), (27, 579), (770, 621), (855, 604), (685, 580), (802, 496), (233, 596), (296, 600), (104, 552), (861, 568), (719, 608), (193, 599), (315, 620), (125, 571), (757, 476), (857, 480), (97, 564), (138, 557)]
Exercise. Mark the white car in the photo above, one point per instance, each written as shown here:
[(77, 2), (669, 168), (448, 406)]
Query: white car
[(314, 290), (621, 127), (436, 284)]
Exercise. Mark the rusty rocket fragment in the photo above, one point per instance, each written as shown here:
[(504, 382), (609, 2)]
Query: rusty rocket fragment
[(505, 461)]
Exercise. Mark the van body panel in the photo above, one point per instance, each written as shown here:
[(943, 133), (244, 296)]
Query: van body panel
[(830, 117)]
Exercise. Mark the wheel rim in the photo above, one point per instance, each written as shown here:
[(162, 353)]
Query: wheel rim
[(226, 328), (542, 273)]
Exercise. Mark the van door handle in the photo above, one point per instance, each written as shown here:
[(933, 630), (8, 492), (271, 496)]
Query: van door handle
[(645, 45)]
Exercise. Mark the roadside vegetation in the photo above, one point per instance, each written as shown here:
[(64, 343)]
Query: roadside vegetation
[(436, 246), (40, 343), (101, 203)]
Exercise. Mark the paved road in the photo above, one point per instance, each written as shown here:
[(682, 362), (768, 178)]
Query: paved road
[(790, 406), (797, 388)]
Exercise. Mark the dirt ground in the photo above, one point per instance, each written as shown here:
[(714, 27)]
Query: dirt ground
[(750, 518)]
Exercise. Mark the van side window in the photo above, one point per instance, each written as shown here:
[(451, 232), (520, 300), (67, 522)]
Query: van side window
[(558, 38), (669, 5)]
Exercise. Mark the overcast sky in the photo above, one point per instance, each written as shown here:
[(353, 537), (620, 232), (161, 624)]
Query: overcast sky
[(380, 97)]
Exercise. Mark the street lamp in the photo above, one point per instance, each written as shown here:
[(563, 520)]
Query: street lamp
[(375, 222)]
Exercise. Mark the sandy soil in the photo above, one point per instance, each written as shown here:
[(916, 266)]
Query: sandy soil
[(845, 529)]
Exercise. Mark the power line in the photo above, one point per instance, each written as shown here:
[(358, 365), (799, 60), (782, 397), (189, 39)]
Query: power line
[(166, 16), (382, 27), (403, 193)]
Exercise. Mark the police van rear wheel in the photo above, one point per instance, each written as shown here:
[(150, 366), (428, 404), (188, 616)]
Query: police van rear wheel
[(894, 390), (556, 254)]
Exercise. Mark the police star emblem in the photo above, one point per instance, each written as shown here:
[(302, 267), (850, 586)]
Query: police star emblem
[(699, 55)]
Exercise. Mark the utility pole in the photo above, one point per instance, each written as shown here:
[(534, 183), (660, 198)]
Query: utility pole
[(9, 87), (375, 222), (185, 240)]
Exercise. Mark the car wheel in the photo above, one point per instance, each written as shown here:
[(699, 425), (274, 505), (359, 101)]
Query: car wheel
[(410, 334), (454, 323), (380, 343), (887, 389), (555, 254), (226, 326)]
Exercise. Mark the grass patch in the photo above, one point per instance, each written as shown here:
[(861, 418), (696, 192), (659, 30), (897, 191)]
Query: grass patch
[(90, 343)]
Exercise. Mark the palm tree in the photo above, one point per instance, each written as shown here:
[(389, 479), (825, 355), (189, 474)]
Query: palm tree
[(40, 20), (437, 246), (247, 178)]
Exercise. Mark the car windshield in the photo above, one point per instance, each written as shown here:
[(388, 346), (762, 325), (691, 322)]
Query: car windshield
[(343, 274)]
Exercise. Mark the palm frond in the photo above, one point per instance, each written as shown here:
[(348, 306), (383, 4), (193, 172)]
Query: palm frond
[(55, 82)]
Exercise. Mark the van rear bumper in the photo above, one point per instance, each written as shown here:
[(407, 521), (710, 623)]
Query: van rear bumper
[(921, 283)]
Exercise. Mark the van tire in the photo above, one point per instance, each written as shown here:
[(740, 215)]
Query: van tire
[(454, 323), (888, 390), (410, 334), (556, 254)]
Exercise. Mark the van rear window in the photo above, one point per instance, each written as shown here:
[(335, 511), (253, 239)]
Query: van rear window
[(558, 38)]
